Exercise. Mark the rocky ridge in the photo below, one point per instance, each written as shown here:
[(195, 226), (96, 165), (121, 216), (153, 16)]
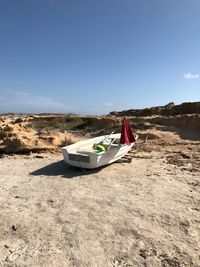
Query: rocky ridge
[(168, 110), (48, 132)]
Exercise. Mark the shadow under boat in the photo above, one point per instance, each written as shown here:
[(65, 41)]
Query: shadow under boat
[(61, 168)]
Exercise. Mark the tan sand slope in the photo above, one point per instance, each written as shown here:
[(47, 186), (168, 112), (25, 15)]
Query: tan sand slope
[(17, 136)]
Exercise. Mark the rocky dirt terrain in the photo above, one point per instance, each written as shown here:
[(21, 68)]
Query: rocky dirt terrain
[(19, 135), (141, 211)]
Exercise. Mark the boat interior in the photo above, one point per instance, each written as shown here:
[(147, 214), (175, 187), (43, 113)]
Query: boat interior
[(103, 146)]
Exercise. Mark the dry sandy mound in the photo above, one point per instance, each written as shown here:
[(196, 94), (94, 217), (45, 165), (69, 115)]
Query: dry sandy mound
[(18, 137)]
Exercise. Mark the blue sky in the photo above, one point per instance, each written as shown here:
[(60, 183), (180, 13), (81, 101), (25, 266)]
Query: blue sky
[(93, 57)]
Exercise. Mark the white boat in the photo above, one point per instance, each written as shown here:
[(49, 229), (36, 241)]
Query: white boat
[(96, 152)]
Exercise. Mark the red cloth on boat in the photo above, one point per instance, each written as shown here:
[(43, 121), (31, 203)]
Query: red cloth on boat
[(127, 136)]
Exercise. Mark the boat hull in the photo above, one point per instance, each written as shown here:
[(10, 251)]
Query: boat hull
[(82, 154)]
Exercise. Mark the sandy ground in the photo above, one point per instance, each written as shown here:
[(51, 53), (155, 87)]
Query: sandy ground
[(140, 213)]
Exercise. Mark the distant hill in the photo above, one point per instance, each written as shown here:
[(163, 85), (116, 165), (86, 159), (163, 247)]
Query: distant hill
[(168, 110)]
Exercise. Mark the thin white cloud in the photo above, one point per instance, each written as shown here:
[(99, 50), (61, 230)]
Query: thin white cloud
[(20, 101), (21, 93), (109, 104), (190, 76)]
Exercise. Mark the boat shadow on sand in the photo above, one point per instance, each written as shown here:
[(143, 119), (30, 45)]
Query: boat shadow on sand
[(62, 169)]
